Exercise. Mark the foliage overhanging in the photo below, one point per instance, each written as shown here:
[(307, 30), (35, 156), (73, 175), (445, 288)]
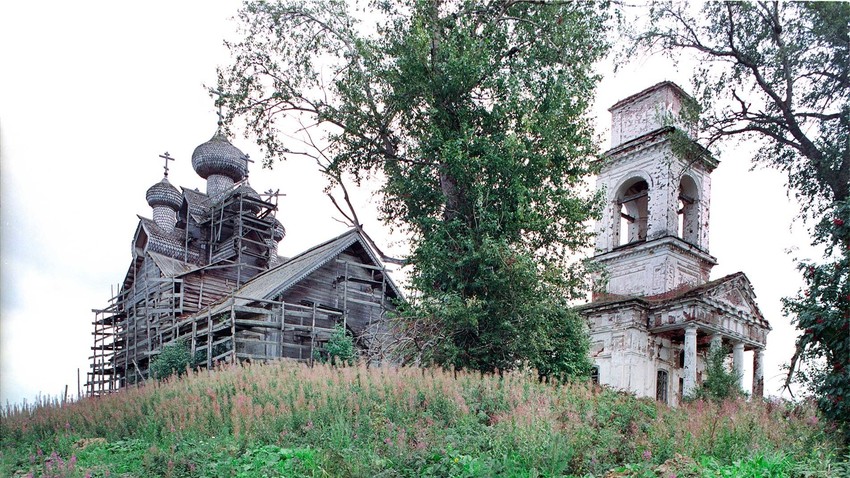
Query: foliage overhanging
[(472, 113)]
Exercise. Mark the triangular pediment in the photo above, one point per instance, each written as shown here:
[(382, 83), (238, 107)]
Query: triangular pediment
[(733, 298), (736, 292)]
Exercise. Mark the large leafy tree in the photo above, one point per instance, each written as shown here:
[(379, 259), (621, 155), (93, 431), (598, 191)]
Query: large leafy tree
[(472, 114), (778, 72)]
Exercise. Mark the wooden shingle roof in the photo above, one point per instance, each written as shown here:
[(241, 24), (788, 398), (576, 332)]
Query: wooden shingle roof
[(274, 282)]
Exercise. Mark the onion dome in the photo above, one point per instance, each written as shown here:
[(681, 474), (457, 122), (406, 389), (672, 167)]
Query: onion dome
[(164, 194), (247, 191), (218, 157), (279, 231)]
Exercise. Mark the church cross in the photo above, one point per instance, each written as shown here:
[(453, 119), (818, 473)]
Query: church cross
[(167, 157), (219, 102), (272, 195), (247, 159)]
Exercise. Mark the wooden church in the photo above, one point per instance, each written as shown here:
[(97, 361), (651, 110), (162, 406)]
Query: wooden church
[(205, 270)]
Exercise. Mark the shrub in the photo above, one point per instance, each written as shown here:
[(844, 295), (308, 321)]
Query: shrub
[(340, 348), (720, 382), (174, 358)]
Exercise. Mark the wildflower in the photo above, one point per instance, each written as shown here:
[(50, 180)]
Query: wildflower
[(647, 455)]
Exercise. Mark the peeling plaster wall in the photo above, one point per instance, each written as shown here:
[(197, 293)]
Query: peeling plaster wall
[(629, 358), (654, 268), (647, 111), (648, 270), (653, 162)]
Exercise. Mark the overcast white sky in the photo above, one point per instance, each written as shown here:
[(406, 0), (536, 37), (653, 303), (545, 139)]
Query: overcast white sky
[(91, 92)]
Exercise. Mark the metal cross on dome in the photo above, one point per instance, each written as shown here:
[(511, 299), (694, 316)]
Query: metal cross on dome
[(167, 157), (247, 159), (219, 102)]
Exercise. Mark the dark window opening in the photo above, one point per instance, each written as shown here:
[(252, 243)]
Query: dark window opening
[(687, 207), (594, 374), (661, 385), (633, 213)]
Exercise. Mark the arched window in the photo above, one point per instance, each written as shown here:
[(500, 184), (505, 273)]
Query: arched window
[(687, 209), (632, 212), (661, 386)]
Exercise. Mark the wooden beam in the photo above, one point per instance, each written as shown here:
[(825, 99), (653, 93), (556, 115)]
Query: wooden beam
[(633, 197)]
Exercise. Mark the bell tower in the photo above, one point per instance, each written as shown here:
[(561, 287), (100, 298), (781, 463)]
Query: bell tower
[(653, 236)]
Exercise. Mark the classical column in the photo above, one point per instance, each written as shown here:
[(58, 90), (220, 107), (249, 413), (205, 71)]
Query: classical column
[(690, 360), (716, 342), (758, 373), (738, 361)]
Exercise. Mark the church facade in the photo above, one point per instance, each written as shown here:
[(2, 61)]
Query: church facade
[(657, 314)]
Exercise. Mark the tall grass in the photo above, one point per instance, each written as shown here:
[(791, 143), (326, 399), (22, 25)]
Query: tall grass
[(360, 421)]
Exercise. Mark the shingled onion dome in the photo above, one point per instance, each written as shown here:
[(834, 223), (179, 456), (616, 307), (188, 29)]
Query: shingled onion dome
[(247, 191), (165, 201), (220, 163), (278, 233)]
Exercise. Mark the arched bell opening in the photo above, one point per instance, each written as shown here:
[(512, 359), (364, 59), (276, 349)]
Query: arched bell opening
[(632, 212), (687, 210)]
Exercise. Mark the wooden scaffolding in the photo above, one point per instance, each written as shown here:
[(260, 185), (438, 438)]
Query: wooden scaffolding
[(202, 305)]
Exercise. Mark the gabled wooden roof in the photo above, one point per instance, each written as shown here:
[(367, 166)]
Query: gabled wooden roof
[(196, 203), (274, 282), (171, 267)]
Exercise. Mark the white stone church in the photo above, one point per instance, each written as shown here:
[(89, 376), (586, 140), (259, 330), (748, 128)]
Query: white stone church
[(657, 314)]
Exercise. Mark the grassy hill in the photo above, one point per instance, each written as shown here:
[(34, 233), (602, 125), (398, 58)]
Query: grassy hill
[(285, 419)]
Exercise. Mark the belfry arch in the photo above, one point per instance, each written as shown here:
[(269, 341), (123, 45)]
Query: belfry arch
[(688, 210), (631, 211)]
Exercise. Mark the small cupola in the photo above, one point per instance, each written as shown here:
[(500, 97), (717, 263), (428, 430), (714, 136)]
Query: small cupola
[(165, 201), (252, 205), (220, 163), (278, 233)]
